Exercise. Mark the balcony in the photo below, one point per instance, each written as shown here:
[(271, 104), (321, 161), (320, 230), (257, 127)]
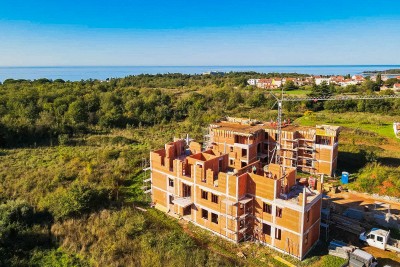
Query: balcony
[(183, 201)]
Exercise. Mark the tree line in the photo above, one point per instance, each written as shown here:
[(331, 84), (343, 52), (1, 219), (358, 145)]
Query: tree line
[(49, 111)]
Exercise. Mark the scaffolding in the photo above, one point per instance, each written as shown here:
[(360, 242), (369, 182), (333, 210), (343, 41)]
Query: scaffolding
[(242, 225), (146, 187), (279, 101)]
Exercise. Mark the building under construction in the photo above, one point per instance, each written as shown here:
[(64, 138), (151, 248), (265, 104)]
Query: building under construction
[(241, 183)]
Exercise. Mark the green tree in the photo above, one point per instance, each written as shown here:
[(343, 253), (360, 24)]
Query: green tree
[(379, 79), (77, 112), (290, 85)]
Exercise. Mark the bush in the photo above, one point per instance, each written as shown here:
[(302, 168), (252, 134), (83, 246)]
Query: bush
[(78, 199), (56, 258), (14, 217)]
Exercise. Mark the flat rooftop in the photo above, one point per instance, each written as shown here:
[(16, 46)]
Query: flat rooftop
[(237, 127), (249, 127), (241, 127)]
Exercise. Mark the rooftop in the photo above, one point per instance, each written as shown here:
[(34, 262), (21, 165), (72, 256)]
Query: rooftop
[(248, 127)]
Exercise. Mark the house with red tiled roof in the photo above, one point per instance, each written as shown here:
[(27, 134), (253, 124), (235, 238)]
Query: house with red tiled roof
[(278, 82), (358, 78), (264, 83)]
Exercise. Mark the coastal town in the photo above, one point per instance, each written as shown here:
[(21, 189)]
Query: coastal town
[(339, 80)]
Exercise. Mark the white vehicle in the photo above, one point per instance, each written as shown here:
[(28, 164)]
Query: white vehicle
[(380, 238)]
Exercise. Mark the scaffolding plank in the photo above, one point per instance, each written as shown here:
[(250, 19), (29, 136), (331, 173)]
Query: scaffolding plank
[(146, 169), (243, 230), (245, 200)]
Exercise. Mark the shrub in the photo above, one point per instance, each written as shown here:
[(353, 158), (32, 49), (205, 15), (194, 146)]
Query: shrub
[(74, 201)]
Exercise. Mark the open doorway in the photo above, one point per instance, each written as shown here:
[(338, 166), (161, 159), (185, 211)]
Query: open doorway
[(187, 210)]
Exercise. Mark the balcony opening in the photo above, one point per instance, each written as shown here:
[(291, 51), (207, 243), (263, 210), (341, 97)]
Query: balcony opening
[(170, 182), (309, 163), (323, 140), (214, 198), (278, 212), (278, 234), (266, 229), (186, 190), (171, 199), (204, 194), (214, 218), (204, 214), (187, 210), (267, 208), (244, 152)]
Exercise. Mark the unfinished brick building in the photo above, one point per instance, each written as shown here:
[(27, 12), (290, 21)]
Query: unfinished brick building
[(309, 149), (227, 189)]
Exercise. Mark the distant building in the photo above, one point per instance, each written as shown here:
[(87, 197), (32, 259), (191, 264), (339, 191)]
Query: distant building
[(358, 78), (213, 73), (277, 82), (252, 81), (319, 80), (337, 79), (265, 83), (347, 82)]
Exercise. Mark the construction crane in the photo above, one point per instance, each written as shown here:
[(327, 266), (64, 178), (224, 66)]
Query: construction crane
[(282, 99)]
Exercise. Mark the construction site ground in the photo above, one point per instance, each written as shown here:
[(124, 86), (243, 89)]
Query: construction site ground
[(359, 201)]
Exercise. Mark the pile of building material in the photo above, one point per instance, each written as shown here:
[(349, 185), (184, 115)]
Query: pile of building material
[(340, 249), (354, 214), (347, 224)]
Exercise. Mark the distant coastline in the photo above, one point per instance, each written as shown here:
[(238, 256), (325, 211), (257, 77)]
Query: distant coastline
[(77, 73), (389, 72)]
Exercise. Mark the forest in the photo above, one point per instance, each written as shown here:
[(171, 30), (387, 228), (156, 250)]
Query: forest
[(71, 153)]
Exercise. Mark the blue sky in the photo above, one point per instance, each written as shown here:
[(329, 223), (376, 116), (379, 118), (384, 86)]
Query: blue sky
[(122, 32)]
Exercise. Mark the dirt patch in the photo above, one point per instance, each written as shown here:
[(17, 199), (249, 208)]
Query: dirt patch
[(384, 257), (360, 201)]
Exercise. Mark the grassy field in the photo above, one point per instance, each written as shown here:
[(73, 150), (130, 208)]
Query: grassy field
[(380, 124)]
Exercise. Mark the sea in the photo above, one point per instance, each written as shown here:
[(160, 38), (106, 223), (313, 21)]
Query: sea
[(77, 73)]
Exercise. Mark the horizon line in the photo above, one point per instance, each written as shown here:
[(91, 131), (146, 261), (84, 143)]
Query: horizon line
[(286, 65)]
